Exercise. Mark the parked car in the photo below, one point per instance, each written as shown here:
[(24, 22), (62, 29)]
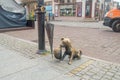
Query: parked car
[(112, 19)]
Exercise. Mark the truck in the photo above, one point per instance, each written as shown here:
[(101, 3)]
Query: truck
[(112, 19)]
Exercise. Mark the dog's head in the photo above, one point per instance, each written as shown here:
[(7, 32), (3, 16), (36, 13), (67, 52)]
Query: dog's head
[(65, 42)]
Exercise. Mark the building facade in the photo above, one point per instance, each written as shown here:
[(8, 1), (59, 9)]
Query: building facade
[(80, 9), (74, 9)]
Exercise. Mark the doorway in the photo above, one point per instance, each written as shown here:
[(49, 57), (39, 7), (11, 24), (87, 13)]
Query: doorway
[(88, 9)]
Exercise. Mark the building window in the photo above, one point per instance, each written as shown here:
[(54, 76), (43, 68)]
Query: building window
[(107, 0), (79, 9), (48, 3), (67, 10), (61, 1), (55, 0), (68, 1)]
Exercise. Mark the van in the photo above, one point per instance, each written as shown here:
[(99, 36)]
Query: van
[(112, 19)]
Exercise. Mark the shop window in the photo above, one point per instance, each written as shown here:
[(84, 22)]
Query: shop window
[(79, 9), (96, 9), (56, 10), (68, 1), (48, 3), (71, 1), (107, 0), (61, 1), (55, 0), (89, 0), (67, 10), (87, 10)]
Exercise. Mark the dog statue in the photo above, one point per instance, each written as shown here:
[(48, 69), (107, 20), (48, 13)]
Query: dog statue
[(69, 50)]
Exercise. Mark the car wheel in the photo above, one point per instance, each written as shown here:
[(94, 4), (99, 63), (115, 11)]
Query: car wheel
[(116, 26)]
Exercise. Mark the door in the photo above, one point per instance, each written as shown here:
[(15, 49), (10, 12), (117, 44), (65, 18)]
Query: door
[(88, 9)]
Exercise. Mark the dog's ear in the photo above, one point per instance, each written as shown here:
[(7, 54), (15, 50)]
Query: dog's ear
[(62, 38)]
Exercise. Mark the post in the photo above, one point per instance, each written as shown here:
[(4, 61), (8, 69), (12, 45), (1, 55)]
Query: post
[(49, 16), (41, 29), (53, 9)]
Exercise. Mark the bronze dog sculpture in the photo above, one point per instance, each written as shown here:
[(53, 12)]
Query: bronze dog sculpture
[(69, 50)]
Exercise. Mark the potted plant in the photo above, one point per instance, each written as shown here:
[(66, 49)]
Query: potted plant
[(30, 20)]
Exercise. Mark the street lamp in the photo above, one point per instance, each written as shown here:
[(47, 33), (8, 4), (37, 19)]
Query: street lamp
[(40, 15)]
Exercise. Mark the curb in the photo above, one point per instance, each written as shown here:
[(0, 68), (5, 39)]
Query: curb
[(74, 21), (14, 29)]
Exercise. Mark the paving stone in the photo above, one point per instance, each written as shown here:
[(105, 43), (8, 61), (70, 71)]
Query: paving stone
[(99, 74), (117, 76), (102, 72), (104, 79), (86, 77), (107, 77), (110, 74), (28, 49), (65, 77), (90, 73), (112, 71), (118, 73), (115, 67), (114, 78), (96, 77)]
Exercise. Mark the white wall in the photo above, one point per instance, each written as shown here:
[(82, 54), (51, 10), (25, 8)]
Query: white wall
[(93, 8), (83, 8)]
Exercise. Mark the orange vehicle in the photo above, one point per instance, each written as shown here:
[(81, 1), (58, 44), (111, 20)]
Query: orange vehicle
[(112, 19)]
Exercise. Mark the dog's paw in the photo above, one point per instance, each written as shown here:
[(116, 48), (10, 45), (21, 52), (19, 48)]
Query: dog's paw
[(61, 61), (69, 63), (78, 58)]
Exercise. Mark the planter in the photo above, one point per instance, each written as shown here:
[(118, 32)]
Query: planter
[(30, 23)]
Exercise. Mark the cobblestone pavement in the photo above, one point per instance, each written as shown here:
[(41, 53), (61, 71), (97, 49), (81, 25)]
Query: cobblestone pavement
[(28, 49), (95, 40), (86, 68), (94, 70)]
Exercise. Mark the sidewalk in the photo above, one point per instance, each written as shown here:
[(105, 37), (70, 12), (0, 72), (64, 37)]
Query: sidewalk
[(20, 62), (80, 24)]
